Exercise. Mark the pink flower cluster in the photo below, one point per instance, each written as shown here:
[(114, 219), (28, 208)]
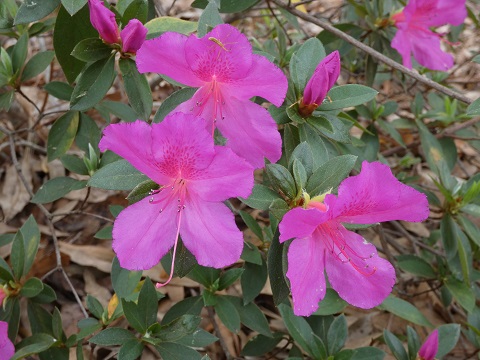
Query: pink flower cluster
[(7, 349), (103, 20), (414, 34)]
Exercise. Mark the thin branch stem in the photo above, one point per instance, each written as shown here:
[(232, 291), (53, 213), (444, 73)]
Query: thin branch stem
[(373, 53), (223, 344)]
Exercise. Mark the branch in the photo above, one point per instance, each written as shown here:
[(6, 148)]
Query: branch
[(373, 53)]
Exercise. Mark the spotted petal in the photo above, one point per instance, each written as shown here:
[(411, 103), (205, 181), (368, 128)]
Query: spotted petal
[(300, 223), (7, 349)]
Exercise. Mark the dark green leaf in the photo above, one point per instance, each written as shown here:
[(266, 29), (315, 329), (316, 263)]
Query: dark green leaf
[(62, 134), (229, 277), (36, 344), (173, 351), (57, 326), (261, 197), (251, 316), (88, 134), (227, 6), (461, 292), (91, 49), (74, 164), (199, 338), (413, 343), (415, 265), (449, 231), (93, 83), (331, 304), (395, 345), (6, 99), (304, 62), (192, 305), (276, 270), (337, 335), (60, 90), (204, 275), (330, 174), (56, 188), (253, 280), (261, 344), (170, 103), (37, 64), (282, 180), (347, 95), (112, 336), (94, 306), (40, 319), (448, 336), (47, 295), (73, 6), (130, 350), (474, 108), (119, 175), (120, 110), (64, 39), (227, 312), (137, 89), (209, 19), (31, 288), (124, 281), (19, 52), (251, 254), (31, 238), (368, 353), (17, 256), (252, 224), (319, 151), (178, 328), (31, 11), (404, 310)]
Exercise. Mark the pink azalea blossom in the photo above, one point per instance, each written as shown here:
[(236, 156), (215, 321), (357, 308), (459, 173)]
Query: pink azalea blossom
[(195, 178), (221, 64), (414, 34), (3, 295), (429, 349), (103, 20), (7, 349), (321, 242), (322, 80)]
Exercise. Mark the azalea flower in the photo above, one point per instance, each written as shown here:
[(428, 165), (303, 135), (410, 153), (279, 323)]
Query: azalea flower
[(195, 178), (221, 64), (414, 34), (3, 295), (6, 346), (103, 20), (429, 349), (322, 80), (321, 242)]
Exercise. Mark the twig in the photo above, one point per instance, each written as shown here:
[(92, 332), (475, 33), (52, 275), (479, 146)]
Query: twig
[(223, 344), (375, 54), (400, 228), (80, 212)]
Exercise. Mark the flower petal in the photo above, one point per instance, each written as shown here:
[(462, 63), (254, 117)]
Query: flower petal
[(7, 349), (144, 232), (166, 55), (133, 142), (181, 146), (103, 20), (228, 175), (429, 349), (202, 104), (317, 87), (375, 195), (264, 79), (427, 51), (251, 131), (300, 223), (133, 35), (401, 43), (209, 231), (449, 12), (306, 262), (354, 268), (223, 54)]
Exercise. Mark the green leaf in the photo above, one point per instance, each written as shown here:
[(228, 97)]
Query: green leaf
[(227, 313), (416, 265), (448, 336), (147, 304), (31, 288), (276, 270), (36, 344), (395, 345), (347, 95), (282, 180), (209, 19), (304, 62), (137, 9), (57, 326), (474, 108), (319, 151), (62, 134), (260, 198), (299, 329), (91, 49), (331, 304), (60, 90), (461, 292), (130, 350), (6, 99), (173, 351), (120, 110), (253, 280), (304, 155), (199, 338), (56, 188), (331, 127), (137, 89), (46, 296), (449, 231), (37, 64), (252, 224), (178, 328), (124, 281), (171, 102), (119, 175), (192, 305), (251, 254), (17, 255), (330, 174), (337, 335), (229, 277), (159, 25), (227, 6), (73, 6), (368, 353), (93, 83), (31, 11), (405, 310), (413, 343), (65, 40), (19, 52), (261, 344), (112, 336), (251, 316), (204, 275), (74, 164), (31, 238)]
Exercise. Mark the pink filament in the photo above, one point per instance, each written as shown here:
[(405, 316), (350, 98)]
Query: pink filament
[(172, 268)]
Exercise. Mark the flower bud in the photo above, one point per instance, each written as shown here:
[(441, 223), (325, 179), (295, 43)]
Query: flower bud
[(133, 35), (429, 349), (103, 20)]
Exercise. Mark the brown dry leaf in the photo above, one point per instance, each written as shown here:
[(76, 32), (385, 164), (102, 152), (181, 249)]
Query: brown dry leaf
[(14, 196), (89, 255), (418, 228), (95, 289)]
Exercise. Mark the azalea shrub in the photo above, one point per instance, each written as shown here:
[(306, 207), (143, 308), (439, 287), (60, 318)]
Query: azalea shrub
[(272, 175)]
